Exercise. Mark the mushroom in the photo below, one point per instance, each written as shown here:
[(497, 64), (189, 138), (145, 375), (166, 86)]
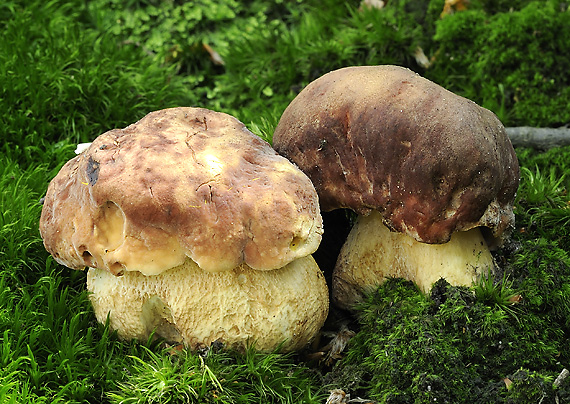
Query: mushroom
[(431, 175), (192, 228)]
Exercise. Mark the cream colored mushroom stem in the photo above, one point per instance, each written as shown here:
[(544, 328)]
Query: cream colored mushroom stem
[(194, 307), (372, 253)]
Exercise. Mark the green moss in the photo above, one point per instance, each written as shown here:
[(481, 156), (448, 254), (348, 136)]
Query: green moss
[(260, 76), (543, 200), (541, 269), (510, 62), (530, 387), (214, 376), (450, 346), (557, 158), (64, 81), (73, 69)]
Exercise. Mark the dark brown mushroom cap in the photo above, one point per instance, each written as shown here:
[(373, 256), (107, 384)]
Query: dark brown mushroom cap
[(181, 182), (384, 138)]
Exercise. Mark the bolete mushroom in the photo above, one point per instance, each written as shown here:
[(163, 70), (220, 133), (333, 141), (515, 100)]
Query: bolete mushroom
[(193, 228), (424, 169)]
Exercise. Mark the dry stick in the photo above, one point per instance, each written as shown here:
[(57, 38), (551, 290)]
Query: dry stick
[(539, 138), (563, 375)]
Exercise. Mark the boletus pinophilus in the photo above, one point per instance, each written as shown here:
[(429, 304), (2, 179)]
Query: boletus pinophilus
[(194, 229), (431, 175)]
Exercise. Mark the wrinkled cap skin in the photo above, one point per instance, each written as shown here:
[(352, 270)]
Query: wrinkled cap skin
[(384, 138), (181, 182)]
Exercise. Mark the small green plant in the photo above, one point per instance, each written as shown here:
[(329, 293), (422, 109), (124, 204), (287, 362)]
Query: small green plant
[(539, 188), (543, 199), (214, 376), (548, 199), (498, 293)]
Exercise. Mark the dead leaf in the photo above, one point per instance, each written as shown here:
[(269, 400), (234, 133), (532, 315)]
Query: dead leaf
[(337, 345), (214, 56), (370, 4), (515, 299), (421, 58), (452, 6), (337, 396)]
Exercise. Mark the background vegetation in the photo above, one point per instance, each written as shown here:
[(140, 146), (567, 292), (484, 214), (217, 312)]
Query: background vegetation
[(72, 69)]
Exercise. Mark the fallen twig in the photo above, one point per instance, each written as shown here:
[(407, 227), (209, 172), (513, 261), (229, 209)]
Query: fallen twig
[(539, 138), (563, 375)]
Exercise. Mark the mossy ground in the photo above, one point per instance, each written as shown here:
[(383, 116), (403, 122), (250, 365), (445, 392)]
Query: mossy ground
[(71, 69)]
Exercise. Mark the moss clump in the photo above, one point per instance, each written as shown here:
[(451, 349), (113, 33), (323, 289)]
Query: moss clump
[(541, 270), (530, 387), (450, 346), (63, 81), (511, 62)]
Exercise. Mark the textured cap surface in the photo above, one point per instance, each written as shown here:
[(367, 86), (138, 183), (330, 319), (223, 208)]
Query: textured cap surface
[(236, 307), (181, 182), (384, 138)]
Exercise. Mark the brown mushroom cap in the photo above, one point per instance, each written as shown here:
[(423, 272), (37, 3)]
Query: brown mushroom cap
[(383, 138), (181, 182)]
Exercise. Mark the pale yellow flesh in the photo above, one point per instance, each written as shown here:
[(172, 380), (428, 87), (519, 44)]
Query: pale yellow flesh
[(372, 253), (191, 306)]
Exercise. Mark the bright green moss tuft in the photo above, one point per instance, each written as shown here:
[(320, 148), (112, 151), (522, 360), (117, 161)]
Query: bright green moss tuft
[(543, 200), (214, 376)]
